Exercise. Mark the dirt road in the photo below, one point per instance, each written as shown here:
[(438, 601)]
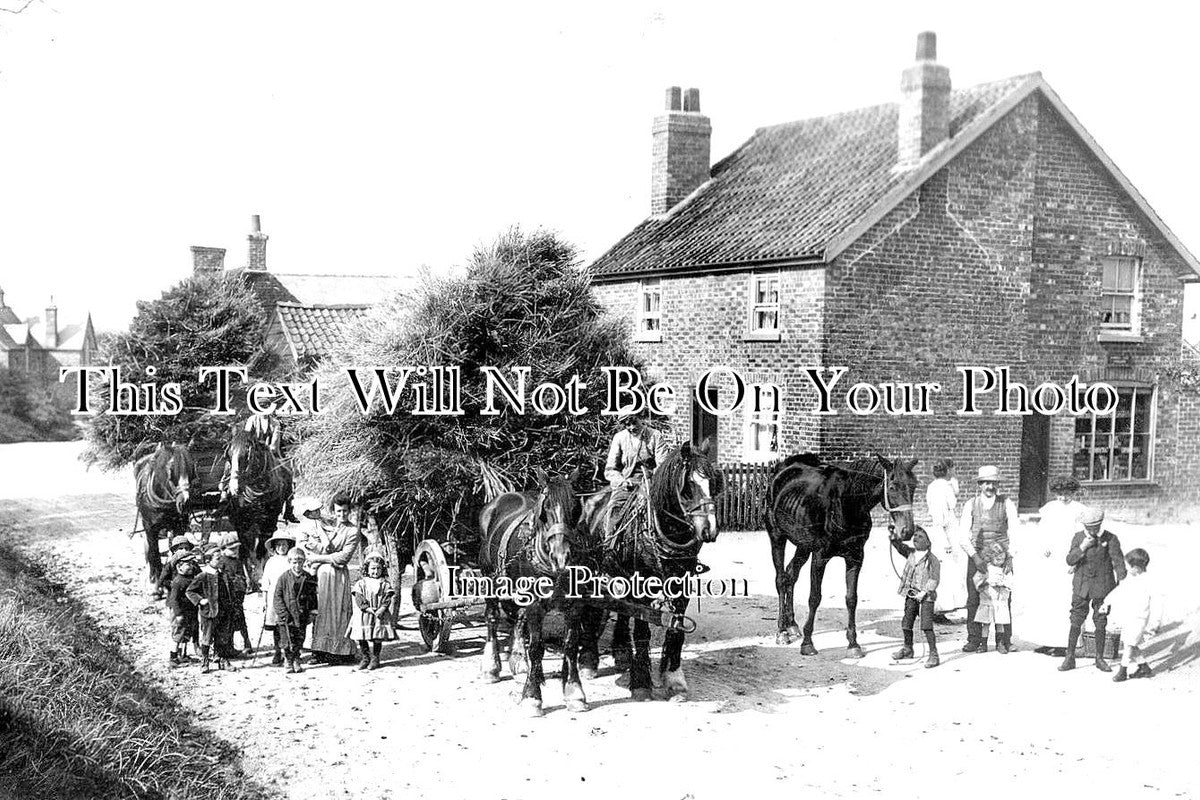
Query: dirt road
[(764, 721)]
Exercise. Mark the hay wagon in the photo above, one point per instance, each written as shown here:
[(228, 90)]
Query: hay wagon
[(207, 511)]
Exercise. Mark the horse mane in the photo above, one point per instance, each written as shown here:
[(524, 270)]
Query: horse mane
[(269, 481), (153, 474), (665, 481)]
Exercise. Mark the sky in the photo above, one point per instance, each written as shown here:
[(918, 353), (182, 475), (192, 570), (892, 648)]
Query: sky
[(378, 137)]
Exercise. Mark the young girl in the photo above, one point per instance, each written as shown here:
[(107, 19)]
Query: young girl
[(995, 595), (1134, 609), (180, 611), (373, 619), (279, 546)]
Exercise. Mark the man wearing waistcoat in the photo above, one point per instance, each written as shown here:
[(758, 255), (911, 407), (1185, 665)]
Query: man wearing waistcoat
[(986, 519), (1099, 566)]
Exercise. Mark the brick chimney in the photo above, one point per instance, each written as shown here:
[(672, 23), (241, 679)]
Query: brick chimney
[(924, 103), (52, 324), (258, 246), (680, 154), (208, 260)]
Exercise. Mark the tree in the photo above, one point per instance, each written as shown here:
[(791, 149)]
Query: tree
[(524, 302), (204, 321)]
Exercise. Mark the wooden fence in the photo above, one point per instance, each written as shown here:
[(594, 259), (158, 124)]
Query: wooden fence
[(742, 505)]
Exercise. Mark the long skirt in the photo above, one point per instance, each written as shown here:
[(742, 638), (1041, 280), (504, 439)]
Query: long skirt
[(951, 592), (334, 610)]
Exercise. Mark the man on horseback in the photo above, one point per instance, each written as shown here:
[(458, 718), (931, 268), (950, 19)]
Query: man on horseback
[(635, 451)]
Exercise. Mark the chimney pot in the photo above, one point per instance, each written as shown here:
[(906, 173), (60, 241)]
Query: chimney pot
[(255, 224), (927, 46), (257, 259), (673, 93), (691, 101)]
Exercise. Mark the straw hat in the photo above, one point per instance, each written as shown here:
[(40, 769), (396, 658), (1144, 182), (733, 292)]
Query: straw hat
[(281, 536), (308, 506), (180, 541), (988, 473)]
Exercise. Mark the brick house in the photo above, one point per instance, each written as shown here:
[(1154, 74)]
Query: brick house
[(39, 346), (306, 313), (979, 226)]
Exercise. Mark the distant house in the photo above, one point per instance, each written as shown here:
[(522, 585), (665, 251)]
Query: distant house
[(39, 346), (306, 313), (978, 226)]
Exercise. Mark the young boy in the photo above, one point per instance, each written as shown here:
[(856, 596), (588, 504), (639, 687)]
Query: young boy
[(1099, 567), (1134, 609), (918, 585), (295, 604), (231, 565), (180, 611), (179, 547), (209, 592)]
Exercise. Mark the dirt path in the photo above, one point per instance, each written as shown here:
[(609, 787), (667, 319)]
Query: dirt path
[(764, 720)]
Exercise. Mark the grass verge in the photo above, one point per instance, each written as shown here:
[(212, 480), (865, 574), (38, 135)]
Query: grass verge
[(76, 721)]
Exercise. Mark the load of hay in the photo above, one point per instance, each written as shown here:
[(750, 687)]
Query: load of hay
[(524, 301)]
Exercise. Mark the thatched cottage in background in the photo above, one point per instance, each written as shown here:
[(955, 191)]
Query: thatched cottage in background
[(976, 226), (306, 313)]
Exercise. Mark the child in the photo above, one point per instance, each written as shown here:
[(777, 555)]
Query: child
[(918, 585), (373, 598), (995, 594), (209, 592), (231, 547), (179, 547), (295, 602), (180, 610), (278, 545), (1134, 610), (1099, 565)]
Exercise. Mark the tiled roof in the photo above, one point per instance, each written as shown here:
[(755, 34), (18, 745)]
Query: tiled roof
[(789, 191), (315, 331), (70, 336), (310, 290)]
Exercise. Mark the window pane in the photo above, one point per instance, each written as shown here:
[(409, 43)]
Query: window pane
[(1124, 398), (1081, 464), (1141, 456), (651, 324), (1100, 458), (1125, 274), (1120, 458), (1141, 413), (1108, 281), (765, 320)]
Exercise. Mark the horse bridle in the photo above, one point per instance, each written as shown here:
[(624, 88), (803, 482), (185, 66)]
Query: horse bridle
[(700, 508)]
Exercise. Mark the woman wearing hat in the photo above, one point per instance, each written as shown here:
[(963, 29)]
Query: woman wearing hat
[(987, 520)]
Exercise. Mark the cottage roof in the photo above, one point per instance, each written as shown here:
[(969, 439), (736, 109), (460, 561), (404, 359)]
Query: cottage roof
[(317, 330), (311, 290), (801, 192)]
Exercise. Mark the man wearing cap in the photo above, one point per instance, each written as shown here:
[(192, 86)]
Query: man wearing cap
[(635, 451), (1099, 566), (986, 520)]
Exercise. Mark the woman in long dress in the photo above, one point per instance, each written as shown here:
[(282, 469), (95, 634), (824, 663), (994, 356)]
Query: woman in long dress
[(331, 552)]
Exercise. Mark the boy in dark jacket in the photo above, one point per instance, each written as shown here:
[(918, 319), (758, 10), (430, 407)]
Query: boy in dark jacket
[(295, 605), (179, 547), (918, 585), (181, 611), (209, 592), (1099, 566)]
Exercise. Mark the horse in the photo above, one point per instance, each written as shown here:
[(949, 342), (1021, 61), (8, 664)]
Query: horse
[(825, 511), (258, 485), (659, 534), (529, 536), (163, 481)]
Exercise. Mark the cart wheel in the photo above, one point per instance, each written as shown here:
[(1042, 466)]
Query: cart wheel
[(432, 585)]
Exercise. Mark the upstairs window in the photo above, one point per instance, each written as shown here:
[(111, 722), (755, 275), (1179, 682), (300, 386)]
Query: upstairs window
[(764, 306), (1117, 446), (649, 312), (1120, 294)]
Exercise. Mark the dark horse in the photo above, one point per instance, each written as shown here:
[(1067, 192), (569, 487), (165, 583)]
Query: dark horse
[(258, 486), (825, 511), (164, 483), (660, 536), (528, 535)]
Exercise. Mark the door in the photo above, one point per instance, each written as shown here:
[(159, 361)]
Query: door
[(1035, 462), (704, 424)]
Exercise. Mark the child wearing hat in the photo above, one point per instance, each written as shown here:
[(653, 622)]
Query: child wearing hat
[(1135, 610), (179, 546), (918, 586), (1099, 566), (181, 611), (295, 603), (209, 592), (231, 565), (372, 621), (278, 545)]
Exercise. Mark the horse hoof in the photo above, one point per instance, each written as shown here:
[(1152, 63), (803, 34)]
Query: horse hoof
[(489, 677), (854, 652), (587, 673), (578, 706), (783, 637), (794, 630), (531, 707), (807, 649), (641, 695)]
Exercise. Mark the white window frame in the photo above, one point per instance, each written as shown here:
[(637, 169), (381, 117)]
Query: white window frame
[(1139, 391), (648, 321), (769, 417), (1134, 293), (753, 330)]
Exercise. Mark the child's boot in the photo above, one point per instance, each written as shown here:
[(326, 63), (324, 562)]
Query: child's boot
[(932, 659), (1002, 639), (375, 648), (907, 650), (277, 660), (173, 658), (1122, 675), (1101, 643), (1072, 640), (204, 667), (1143, 671), (364, 655)]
